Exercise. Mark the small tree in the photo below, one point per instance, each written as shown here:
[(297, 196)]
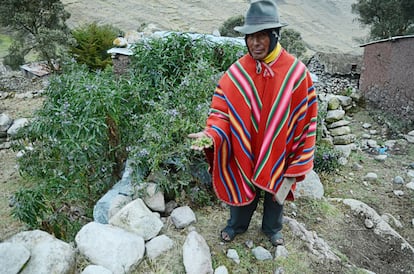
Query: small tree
[(92, 43), (386, 18), (39, 26), (292, 41)]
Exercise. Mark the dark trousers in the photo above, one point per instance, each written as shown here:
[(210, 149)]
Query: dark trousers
[(240, 216)]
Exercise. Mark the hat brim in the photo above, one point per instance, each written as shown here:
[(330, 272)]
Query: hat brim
[(255, 28)]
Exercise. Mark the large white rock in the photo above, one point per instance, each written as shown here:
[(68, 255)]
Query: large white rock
[(196, 255), (155, 247), (46, 253), (13, 257), (5, 122), (137, 218), (17, 125), (154, 198), (310, 187), (111, 247), (182, 216)]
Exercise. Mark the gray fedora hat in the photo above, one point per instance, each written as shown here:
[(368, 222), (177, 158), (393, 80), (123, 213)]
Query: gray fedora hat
[(261, 15)]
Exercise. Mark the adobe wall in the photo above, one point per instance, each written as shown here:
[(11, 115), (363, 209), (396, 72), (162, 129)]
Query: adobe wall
[(387, 77)]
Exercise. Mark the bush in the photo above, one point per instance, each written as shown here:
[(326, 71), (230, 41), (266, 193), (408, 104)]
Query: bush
[(92, 43), (326, 159), (292, 41), (77, 152), (89, 122), (180, 78), (227, 29)]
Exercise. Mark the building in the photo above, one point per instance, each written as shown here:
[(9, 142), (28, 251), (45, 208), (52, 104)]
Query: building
[(387, 75)]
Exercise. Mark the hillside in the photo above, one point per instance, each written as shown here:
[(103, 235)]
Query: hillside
[(325, 25)]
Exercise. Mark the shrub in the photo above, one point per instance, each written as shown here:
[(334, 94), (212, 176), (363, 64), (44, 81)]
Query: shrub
[(326, 159), (227, 29), (292, 41), (77, 152), (92, 43), (180, 74)]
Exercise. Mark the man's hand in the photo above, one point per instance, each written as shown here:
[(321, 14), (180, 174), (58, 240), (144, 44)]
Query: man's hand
[(201, 141)]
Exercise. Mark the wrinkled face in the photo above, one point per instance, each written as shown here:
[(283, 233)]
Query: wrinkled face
[(258, 44)]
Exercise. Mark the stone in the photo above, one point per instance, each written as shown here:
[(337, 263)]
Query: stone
[(333, 103), (111, 247), (344, 139), (345, 101), (182, 217), (381, 158), (196, 255), (13, 257), (340, 123), (334, 115), (154, 198), (117, 203), (398, 180), (261, 253), (17, 125), (46, 253), (233, 255), (5, 122), (410, 185), (371, 177), (310, 187), (136, 217), (366, 125), (221, 270), (340, 131), (158, 245), (281, 252)]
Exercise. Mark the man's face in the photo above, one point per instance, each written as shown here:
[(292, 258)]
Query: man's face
[(258, 44)]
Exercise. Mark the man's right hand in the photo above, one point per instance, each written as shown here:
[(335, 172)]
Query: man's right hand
[(201, 141)]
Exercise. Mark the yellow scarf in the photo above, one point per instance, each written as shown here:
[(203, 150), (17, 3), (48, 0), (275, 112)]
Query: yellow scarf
[(273, 54)]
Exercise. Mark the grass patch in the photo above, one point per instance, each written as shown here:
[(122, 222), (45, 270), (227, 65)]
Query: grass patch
[(5, 42)]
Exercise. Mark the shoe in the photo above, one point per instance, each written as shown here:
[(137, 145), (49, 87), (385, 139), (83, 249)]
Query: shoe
[(277, 239), (227, 234)]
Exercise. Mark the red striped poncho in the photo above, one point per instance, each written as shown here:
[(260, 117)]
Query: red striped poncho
[(263, 124)]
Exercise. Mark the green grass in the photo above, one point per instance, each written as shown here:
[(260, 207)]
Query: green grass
[(5, 42)]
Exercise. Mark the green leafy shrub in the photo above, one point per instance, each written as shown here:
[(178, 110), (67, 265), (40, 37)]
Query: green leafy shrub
[(180, 74), (77, 152), (292, 41), (326, 159), (91, 122), (92, 43), (227, 29)]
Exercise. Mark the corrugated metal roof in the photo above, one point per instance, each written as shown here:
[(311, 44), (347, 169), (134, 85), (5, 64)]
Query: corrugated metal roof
[(392, 39)]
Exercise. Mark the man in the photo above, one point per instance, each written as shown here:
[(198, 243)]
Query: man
[(262, 123)]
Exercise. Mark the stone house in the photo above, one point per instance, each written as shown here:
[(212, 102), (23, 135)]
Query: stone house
[(387, 75)]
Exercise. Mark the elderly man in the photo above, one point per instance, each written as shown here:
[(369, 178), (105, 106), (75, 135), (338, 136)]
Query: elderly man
[(262, 124)]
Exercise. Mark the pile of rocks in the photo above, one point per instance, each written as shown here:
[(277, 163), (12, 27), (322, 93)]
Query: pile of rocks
[(128, 229), (9, 128)]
